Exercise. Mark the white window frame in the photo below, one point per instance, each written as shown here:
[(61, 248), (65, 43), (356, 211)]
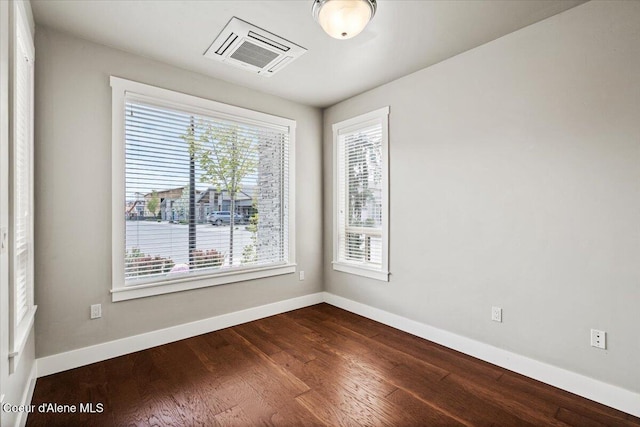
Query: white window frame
[(22, 45), (381, 117), (122, 88)]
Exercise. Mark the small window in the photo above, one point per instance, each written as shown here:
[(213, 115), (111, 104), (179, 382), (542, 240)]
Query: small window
[(185, 164), (361, 195)]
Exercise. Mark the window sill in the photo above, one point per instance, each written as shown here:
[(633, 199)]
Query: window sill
[(21, 337), (361, 271), (188, 283)]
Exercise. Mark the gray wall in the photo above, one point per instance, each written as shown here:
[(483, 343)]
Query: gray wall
[(73, 190), (515, 182)]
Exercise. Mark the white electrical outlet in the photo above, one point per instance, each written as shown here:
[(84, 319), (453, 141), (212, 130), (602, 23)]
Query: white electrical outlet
[(598, 339), (496, 314), (301, 275), (96, 311), (3, 239)]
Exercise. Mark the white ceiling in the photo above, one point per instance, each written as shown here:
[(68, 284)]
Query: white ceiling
[(403, 37)]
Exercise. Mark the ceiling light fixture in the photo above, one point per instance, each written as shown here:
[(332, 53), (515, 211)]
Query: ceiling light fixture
[(343, 19)]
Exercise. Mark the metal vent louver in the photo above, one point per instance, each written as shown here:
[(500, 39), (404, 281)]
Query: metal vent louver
[(253, 49)]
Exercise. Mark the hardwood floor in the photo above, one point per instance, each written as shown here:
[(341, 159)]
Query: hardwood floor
[(315, 366)]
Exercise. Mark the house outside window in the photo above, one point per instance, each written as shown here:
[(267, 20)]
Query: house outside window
[(188, 160), (361, 195)]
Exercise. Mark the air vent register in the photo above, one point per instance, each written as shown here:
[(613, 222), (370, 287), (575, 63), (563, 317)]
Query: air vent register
[(246, 46)]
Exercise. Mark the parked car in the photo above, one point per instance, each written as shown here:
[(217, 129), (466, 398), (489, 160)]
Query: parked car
[(223, 217)]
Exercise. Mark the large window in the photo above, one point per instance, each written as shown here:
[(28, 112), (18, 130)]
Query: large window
[(361, 195), (21, 190), (202, 192)]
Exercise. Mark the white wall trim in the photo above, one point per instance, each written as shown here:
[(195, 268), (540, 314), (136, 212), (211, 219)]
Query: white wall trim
[(84, 356), (196, 282), (27, 396), (361, 271), (607, 394)]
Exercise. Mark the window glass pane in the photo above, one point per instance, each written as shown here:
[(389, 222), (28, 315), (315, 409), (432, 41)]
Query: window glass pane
[(364, 172), (360, 196), (203, 195)]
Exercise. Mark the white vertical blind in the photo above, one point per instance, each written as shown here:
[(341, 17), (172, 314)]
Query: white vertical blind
[(237, 165), (22, 173), (360, 195)]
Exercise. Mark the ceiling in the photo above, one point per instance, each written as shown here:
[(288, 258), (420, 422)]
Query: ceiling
[(403, 37)]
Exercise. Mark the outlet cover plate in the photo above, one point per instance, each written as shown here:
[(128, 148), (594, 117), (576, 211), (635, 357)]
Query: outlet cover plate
[(598, 339), (496, 314), (96, 311), (4, 234)]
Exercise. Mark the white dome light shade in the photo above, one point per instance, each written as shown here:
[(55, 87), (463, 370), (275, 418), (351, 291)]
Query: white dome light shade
[(343, 19)]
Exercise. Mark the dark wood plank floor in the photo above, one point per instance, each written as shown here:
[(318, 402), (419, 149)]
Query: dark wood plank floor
[(315, 366)]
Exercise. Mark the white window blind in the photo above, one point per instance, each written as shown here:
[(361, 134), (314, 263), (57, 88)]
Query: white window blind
[(186, 172), (22, 173), (360, 197), (22, 309), (361, 193)]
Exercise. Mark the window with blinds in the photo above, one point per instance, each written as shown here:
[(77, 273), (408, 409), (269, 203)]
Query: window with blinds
[(21, 170), (361, 195), (22, 176), (206, 193)]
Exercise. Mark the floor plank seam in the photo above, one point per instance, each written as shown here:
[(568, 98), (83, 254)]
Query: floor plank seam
[(437, 408), (303, 393), (391, 392)]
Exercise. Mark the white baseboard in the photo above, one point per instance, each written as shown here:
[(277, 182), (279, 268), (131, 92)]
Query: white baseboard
[(27, 396), (84, 356), (607, 394)]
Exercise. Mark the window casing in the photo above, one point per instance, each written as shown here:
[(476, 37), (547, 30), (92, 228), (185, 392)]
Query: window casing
[(21, 187), (179, 159), (361, 195)]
